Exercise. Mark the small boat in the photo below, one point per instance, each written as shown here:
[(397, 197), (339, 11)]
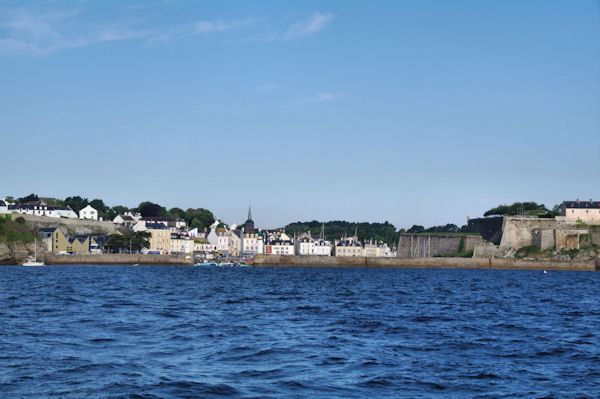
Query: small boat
[(206, 264), (228, 264), (33, 262)]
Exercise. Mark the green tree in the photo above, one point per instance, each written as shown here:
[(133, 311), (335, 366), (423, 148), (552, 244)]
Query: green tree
[(416, 229), (29, 198), (76, 203), (150, 209), (99, 205), (199, 217), (177, 213), (518, 208)]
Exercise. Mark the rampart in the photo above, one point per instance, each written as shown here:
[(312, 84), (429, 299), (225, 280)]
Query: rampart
[(421, 245), (118, 259), (519, 232), (423, 263)]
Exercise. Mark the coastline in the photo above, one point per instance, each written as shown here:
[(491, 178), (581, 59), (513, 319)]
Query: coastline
[(422, 263)]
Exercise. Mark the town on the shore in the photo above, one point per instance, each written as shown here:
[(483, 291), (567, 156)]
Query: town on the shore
[(574, 226)]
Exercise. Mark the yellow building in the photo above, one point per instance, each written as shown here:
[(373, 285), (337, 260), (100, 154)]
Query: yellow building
[(55, 241), (161, 237)]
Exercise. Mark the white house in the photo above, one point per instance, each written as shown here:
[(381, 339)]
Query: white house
[(3, 206), (348, 247), (125, 220), (39, 208), (88, 212)]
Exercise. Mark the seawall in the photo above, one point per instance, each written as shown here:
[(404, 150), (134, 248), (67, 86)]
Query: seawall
[(118, 259), (424, 263)]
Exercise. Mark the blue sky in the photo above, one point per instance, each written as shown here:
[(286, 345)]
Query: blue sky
[(414, 112)]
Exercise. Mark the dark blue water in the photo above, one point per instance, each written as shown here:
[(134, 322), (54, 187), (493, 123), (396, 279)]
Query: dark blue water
[(245, 332)]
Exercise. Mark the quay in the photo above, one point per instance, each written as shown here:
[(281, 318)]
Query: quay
[(423, 263)]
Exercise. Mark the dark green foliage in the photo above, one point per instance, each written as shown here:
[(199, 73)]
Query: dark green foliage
[(100, 206), (461, 246), (29, 198), (13, 231), (177, 213), (416, 229), (123, 242), (335, 230), (199, 218), (150, 209), (76, 203), (518, 208), (20, 220), (448, 228), (114, 211), (528, 252)]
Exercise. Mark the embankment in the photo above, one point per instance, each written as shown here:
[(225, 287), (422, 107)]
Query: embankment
[(69, 227), (425, 263), (118, 259)]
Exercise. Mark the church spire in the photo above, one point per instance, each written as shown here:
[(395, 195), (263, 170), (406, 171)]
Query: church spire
[(249, 213)]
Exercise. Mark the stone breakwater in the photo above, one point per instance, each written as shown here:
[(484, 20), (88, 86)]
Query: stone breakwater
[(118, 259), (425, 263)]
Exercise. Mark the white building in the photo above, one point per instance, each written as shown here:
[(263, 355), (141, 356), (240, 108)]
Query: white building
[(219, 236), (181, 244), (125, 220), (582, 211), (3, 206), (279, 248), (39, 208), (322, 247), (376, 249), (252, 243), (88, 213), (306, 245), (348, 247)]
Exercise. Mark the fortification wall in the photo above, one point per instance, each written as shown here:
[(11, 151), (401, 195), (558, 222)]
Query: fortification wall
[(490, 228), (518, 232), (429, 263), (69, 226), (439, 244)]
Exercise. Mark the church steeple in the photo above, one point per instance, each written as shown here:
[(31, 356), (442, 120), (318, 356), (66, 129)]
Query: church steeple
[(249, 225)]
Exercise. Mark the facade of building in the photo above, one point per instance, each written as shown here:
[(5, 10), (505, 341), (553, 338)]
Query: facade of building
[(376, 249), (181, 244), (3, 207), (160, 240), (584, 211), (39, 208), (125, 220), (349, 246), (174, 224), (88, 212)]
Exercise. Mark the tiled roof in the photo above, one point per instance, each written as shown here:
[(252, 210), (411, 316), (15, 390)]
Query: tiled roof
[(156, 226), (581, 204)]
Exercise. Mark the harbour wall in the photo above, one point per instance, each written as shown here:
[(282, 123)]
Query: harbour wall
[(118, 259), (424, 263)]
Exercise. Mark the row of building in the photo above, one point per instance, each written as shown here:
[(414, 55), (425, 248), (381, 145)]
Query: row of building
[(40, 208), (171, 235)]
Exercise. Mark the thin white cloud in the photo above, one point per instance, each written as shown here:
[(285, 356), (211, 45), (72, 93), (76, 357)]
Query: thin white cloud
[(33, 30), (321, 97), (271, 86), (307, 27)]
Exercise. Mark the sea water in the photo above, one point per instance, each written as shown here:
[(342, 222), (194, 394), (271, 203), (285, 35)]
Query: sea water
[(92, 331)]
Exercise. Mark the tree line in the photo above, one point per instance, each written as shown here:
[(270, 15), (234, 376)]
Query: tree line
[(336, 230), (194, 217)]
